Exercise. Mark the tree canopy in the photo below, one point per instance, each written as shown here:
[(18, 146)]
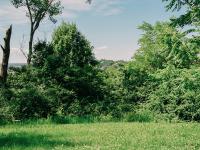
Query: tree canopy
[(191, 15)]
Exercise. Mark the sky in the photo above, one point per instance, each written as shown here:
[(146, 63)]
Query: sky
[(110, 25)]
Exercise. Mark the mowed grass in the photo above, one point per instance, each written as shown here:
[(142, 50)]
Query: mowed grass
[(101, 136)]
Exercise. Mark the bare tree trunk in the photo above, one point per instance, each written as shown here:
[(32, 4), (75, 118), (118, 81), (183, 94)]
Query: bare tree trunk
[(6, 55)]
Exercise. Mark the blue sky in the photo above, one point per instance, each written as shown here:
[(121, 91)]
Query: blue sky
[(110, 25)]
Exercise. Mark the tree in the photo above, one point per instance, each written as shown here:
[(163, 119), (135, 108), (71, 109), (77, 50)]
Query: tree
[(163, 44), (175, 93), (42, 50), (6, 55), (37, 10), (192, 14), (74, 48), (69, 62), (190, 19)]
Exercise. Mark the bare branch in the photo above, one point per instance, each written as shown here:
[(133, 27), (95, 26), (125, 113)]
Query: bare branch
[(22, 48)]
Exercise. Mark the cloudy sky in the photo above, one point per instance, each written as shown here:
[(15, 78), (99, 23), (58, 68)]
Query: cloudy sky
[(110, 25)]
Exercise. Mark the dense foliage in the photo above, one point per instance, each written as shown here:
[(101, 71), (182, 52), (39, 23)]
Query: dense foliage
[(162, 81), (163, 75), (58, 83)]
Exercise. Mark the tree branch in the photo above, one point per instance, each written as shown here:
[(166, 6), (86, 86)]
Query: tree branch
[(2, 48), (29, 11)]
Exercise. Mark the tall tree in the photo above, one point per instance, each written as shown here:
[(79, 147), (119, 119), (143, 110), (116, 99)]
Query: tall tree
[(6, 55), (162, 45), (74, 48), (37, 10), (190, 17)]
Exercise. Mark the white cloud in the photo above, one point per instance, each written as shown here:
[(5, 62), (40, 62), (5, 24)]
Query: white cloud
[(68, 14), (108, 8), (100, 7), (98, 51), (73, 7), (101, 48), (113, 11), (76, 5), (9, 14)]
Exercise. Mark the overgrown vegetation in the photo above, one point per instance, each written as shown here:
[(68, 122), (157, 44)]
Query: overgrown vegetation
[(64, 79)]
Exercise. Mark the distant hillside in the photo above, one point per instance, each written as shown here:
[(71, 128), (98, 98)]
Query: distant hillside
[(103, 64), (17, 64)]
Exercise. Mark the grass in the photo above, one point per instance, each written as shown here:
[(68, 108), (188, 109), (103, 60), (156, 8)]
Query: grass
[(101, 136)]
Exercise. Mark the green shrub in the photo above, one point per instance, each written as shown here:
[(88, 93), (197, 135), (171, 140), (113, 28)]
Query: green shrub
[(73, 119), (6, 113), (177, 93), (30, 103), (139, 116)]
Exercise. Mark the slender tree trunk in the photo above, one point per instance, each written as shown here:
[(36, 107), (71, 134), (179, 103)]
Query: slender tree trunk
[(6, 55), (30, 49), (30, 46)]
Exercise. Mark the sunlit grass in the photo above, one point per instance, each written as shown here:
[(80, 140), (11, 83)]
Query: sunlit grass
[(101, 136)]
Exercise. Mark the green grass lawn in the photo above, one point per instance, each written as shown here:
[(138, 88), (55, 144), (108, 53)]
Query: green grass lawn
[(101, 136)]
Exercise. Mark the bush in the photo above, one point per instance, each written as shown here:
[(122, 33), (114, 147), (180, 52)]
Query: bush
[(139, 116), (5, 109), (177, 93), (30, 103), (73, 119)]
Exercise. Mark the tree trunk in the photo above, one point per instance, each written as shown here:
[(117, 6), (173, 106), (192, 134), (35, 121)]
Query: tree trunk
[(6, 55), (30, 48)]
